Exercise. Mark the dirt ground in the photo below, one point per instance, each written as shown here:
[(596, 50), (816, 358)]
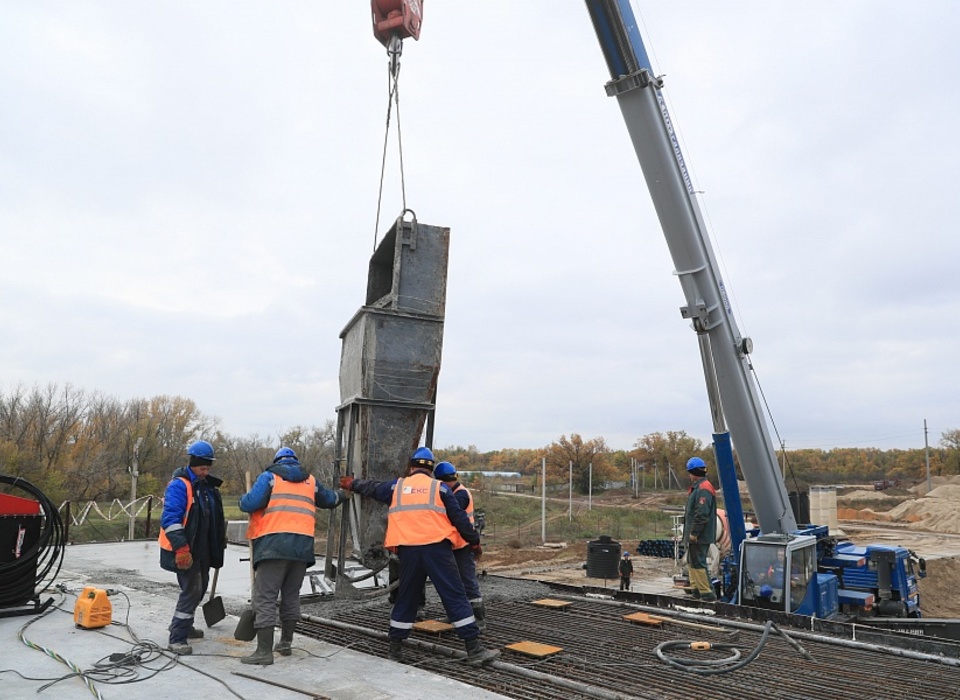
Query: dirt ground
[(927, 523)]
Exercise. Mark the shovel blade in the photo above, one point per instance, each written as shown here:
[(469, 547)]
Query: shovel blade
[(213, 611), (245, 631)]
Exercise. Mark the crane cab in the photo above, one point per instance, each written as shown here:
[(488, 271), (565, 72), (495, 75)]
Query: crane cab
[(778, 572)]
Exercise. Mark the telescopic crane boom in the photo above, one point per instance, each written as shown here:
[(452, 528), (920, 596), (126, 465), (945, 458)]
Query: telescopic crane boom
[(724, 350)]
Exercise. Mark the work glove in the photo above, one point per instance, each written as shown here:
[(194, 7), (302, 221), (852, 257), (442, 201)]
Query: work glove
[(693, 538), (477, 551), (184, 558), (346, 483)]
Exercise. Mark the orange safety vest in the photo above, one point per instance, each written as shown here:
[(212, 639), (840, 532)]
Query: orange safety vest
[(417, 515), (164, 540), (458, 542), (291, 509)]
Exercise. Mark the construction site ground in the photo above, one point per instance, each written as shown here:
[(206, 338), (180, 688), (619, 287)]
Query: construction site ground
[(926, 522)]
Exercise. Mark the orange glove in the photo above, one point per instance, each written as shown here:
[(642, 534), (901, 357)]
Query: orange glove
[(477, 552), (346, 483), (184, 558)]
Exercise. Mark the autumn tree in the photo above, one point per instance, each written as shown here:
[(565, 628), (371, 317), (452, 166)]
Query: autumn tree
[(581, 454), (669, 451), (950, 441)]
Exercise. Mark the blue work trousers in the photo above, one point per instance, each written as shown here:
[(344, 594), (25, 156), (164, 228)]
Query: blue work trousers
[(437, 562), (193, 584), (467, 566)]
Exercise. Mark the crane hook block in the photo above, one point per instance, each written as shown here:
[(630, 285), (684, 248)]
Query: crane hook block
[(396, 17)]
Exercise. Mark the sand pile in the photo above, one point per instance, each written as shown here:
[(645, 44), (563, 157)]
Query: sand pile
[(866, 496), (937, 511)]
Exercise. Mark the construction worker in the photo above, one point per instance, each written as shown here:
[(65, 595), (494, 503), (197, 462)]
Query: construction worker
[(699, 528), (282, 504), (423, 520), (193, 536), (465, 556), (626, 571)]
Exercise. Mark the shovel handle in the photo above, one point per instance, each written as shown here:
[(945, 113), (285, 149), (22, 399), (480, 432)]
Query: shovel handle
[(213, 588)]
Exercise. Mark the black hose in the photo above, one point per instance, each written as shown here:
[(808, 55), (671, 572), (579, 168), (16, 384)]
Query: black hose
[(722, 665), (29, 575)]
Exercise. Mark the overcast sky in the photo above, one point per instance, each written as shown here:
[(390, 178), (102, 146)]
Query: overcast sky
[(188, 196)]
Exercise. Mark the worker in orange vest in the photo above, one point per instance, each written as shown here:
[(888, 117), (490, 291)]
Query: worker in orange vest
[(193, 535), (282, 505), (423, 520), (465, 556)]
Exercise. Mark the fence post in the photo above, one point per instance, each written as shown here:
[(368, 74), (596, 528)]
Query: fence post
[(66, 524), (146, 533)]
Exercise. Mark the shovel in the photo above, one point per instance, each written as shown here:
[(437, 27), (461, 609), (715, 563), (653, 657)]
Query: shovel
[(213, 610), (245, 630)]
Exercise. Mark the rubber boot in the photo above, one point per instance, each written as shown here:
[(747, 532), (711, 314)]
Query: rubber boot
[(699, 578), (480, 613), (477, 653), (396, 650), (264, 653), (285, 645)]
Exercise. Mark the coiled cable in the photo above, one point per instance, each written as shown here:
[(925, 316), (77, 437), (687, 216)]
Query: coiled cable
[(38, 564)]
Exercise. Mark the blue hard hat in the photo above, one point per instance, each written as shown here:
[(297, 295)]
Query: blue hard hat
[(695, 463), (201, 449), (445, 471), (766, 591), (422, 457), (284, 453)]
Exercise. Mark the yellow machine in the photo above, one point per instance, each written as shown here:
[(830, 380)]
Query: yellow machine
[(93, 609)]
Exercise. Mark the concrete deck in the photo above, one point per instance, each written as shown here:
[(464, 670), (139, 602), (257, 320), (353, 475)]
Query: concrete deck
[(142, 608)]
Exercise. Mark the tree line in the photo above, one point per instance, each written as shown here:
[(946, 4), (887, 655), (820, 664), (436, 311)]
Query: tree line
[(79, 445)]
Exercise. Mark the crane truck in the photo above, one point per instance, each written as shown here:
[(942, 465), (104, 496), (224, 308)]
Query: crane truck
[(782, 565)]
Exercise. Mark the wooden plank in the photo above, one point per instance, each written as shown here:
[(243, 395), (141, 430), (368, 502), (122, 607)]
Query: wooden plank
[(644, 619), (534, 649), (432, 626), (551, 603)]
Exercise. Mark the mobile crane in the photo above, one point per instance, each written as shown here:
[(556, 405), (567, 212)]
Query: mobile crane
[(785, 566)]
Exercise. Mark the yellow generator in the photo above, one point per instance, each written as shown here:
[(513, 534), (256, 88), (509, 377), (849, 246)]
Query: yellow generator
[(93, 609)]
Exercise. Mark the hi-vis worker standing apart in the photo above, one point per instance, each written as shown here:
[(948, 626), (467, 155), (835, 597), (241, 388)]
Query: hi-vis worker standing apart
[(423, 520), (699, 528), (193, 535), (282, 504)]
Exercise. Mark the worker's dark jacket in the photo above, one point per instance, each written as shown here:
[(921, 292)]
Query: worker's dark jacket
[(206, 528), (383, 491), (626, 567), (700, 516), (291, 546)]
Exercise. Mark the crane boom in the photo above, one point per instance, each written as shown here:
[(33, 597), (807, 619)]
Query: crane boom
[(725, 352)]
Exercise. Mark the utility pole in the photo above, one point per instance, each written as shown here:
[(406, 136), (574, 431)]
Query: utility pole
[(590, 496), (570, 496), (543, 502), (134, 473), (926, 451)]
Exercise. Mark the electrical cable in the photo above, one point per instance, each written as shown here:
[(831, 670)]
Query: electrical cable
[(29, 575), (735, 660), (118, 668)]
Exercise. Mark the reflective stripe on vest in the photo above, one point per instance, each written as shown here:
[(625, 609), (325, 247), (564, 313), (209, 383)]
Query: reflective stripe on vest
[(458, 542), (417, 515), (290, 509), (164, 540)]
